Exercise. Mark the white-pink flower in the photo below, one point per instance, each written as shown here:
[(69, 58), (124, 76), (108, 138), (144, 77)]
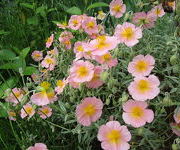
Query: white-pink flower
[(158, 11), (107, 60), (113, 136), (144, 88), (89, 110), (117, 8), (27, 110), (37, 56), (136, 113), (15, 96), (60, 85), (89, 25), (50, 41), (102, 44), (96, 81), (45, 112), (81, 71), (49, 63), (75, 22), (38, 146), (128, 34), (177, 115), (141, 65)]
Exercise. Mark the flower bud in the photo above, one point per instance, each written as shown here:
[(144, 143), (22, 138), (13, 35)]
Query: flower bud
[(175, 147), (174, 59), (104, 76)]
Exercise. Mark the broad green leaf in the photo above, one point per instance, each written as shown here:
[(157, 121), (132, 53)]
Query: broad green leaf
[(41, 10), (29, 70), (7, 55), (10, 83), (24, 52), (97, 4), (16, 64), (27, 5), (74, 11)]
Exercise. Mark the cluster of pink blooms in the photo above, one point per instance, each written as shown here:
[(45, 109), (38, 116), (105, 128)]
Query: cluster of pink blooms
[(93, 56), (147, 20), (176, 125)]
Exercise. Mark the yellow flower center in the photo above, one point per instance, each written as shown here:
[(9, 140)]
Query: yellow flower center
[(141, 66), (49, 61), (82, 71), (46, 85), (117, 8), (67, 42), (106, 57), (90, 25), (45, 110), (37, 55), (60, 83), (49, 40), (143, 86), (17, 94), (137, 112), (50, 94), (114, 136), (12, 113), (158, 11), (29, 110), (75, 22), (80, 48), (89, 110), (102, 43), (171, 4), (128, 33)]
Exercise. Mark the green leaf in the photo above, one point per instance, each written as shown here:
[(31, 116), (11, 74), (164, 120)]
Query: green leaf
[(7, 55), (24, 52), (3, 109), (33, 21), (2, 32), (98, 4), (27, 5), (74, 11), (16, 64), (10, 83), (41, 10), (29, 70)]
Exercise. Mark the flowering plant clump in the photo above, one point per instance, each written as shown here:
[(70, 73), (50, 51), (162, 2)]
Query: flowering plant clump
[(79, 73)]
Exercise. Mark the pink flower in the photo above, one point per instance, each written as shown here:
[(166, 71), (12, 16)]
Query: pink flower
[(27, 110), (107, 60), (144, 20), (45, 112), (45, 96), (66, 35), (53, 53), (143, 88), (15, 96), (117, 8), (89, 25), (114, 136), (96, 81), (102, 44), (37, 56), (38, 146), (75, 22), (175, 128), (83, 49), (66, 42), (128, 34), (12, 115), (158, 11), (141, 65), (81, 71), (89, 111), (50, 41), (49, 63), (73, 84), (60, 86), (136, 113), (177, 115)]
